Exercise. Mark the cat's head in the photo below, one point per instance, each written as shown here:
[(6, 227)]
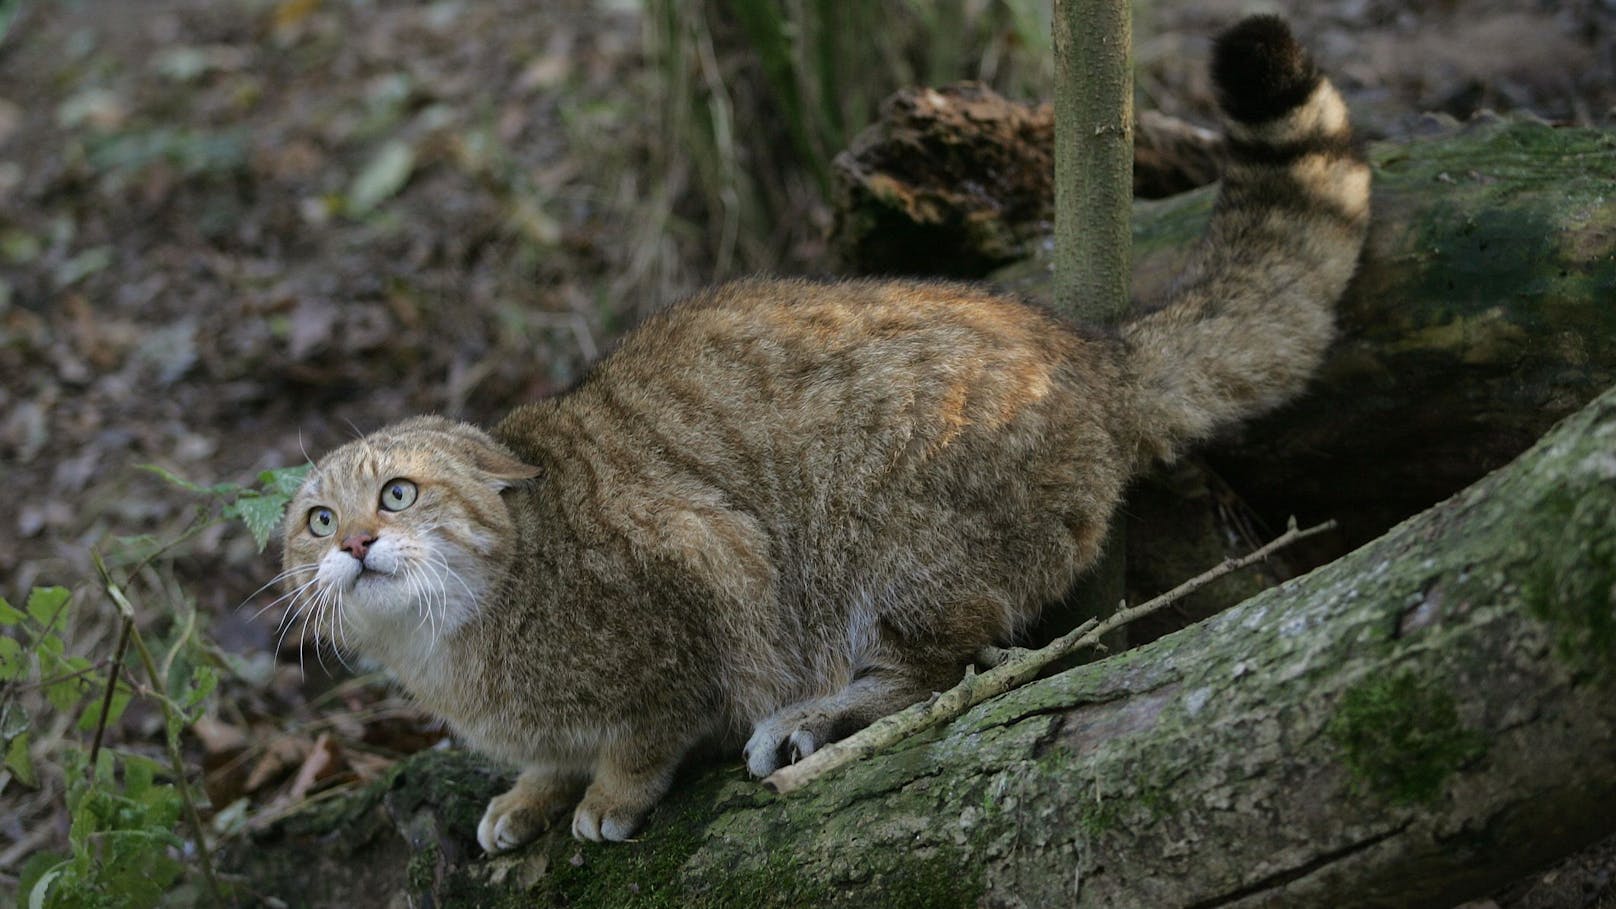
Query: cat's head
[(396, 536)]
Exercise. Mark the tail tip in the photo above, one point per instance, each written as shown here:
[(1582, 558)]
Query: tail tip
[(1260, 71)]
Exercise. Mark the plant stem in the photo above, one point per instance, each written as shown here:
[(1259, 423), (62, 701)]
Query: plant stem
[(177, 761), (112, 687), (171, 713)]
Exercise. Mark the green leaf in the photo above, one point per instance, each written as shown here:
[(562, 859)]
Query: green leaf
[(67, 694), (42, 863), (92, 718), (13, 662), (137, 775), (282, 482), (203, 680), (14, 742), (106, 765), (122, 835), (20, 763), (9, 615), (41, 889), (261, 514), (13, 720), (46, 604)]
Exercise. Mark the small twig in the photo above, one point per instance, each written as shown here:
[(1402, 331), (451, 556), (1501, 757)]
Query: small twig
[(1015, 667), (57, 679)]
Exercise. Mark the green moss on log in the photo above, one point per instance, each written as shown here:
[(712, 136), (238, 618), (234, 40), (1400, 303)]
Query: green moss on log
[(1572, 583), (1401, 737)]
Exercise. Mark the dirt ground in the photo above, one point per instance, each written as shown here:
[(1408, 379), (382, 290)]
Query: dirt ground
[(233, 232)]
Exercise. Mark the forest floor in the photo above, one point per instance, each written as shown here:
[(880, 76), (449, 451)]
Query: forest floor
[(233, 233)]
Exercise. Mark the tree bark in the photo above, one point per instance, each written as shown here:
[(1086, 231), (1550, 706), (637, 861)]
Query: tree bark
[(1417, 724), (957, 180), (1093, 157)]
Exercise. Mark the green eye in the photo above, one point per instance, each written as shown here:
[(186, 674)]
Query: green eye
[(398, 495), (322, 522)]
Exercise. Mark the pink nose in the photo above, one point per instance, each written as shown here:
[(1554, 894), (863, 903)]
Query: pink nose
[(357, 544)]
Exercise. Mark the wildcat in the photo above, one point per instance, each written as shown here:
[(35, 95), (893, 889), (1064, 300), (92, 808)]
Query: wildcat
[(782, 508)]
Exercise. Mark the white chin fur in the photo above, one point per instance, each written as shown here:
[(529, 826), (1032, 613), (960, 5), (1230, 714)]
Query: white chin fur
[(405, 595)]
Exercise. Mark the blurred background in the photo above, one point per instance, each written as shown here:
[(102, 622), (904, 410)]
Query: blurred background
[(236, 232)]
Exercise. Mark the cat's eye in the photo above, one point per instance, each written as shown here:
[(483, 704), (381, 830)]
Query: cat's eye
[(398, 495), (322, 522)]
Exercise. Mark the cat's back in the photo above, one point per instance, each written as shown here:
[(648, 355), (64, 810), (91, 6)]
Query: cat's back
[(866, 355), (793, 326), (768, 388)]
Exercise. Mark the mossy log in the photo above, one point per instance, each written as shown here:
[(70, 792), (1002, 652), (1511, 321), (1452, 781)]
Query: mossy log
[(1484, 310), (1416, 724)]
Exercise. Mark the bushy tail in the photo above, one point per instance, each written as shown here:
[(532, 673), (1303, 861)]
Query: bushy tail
[(1251, 319)]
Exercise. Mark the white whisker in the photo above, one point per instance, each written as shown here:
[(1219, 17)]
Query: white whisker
[(286, 573), (289, 595), (440, 561)]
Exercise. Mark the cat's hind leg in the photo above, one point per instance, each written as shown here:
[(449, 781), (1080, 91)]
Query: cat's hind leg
[(798, 730), (908, 662)]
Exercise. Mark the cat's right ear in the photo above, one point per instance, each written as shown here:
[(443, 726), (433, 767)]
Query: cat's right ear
[(500, 468)]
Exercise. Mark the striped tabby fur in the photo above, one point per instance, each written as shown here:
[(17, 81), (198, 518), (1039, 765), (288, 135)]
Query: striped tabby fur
[(784, 508)]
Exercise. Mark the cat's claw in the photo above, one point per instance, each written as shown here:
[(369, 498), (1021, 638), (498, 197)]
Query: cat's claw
[(802, 744), (762, 751)]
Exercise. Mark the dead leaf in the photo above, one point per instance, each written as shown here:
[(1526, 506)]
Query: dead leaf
[(218, 736), (324, 761), (280, 756), (382, 178), (311, 325), (368, 767), (547, 71)]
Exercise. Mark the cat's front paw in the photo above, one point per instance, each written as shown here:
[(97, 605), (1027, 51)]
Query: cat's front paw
[(514, 817), (602, 816)]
